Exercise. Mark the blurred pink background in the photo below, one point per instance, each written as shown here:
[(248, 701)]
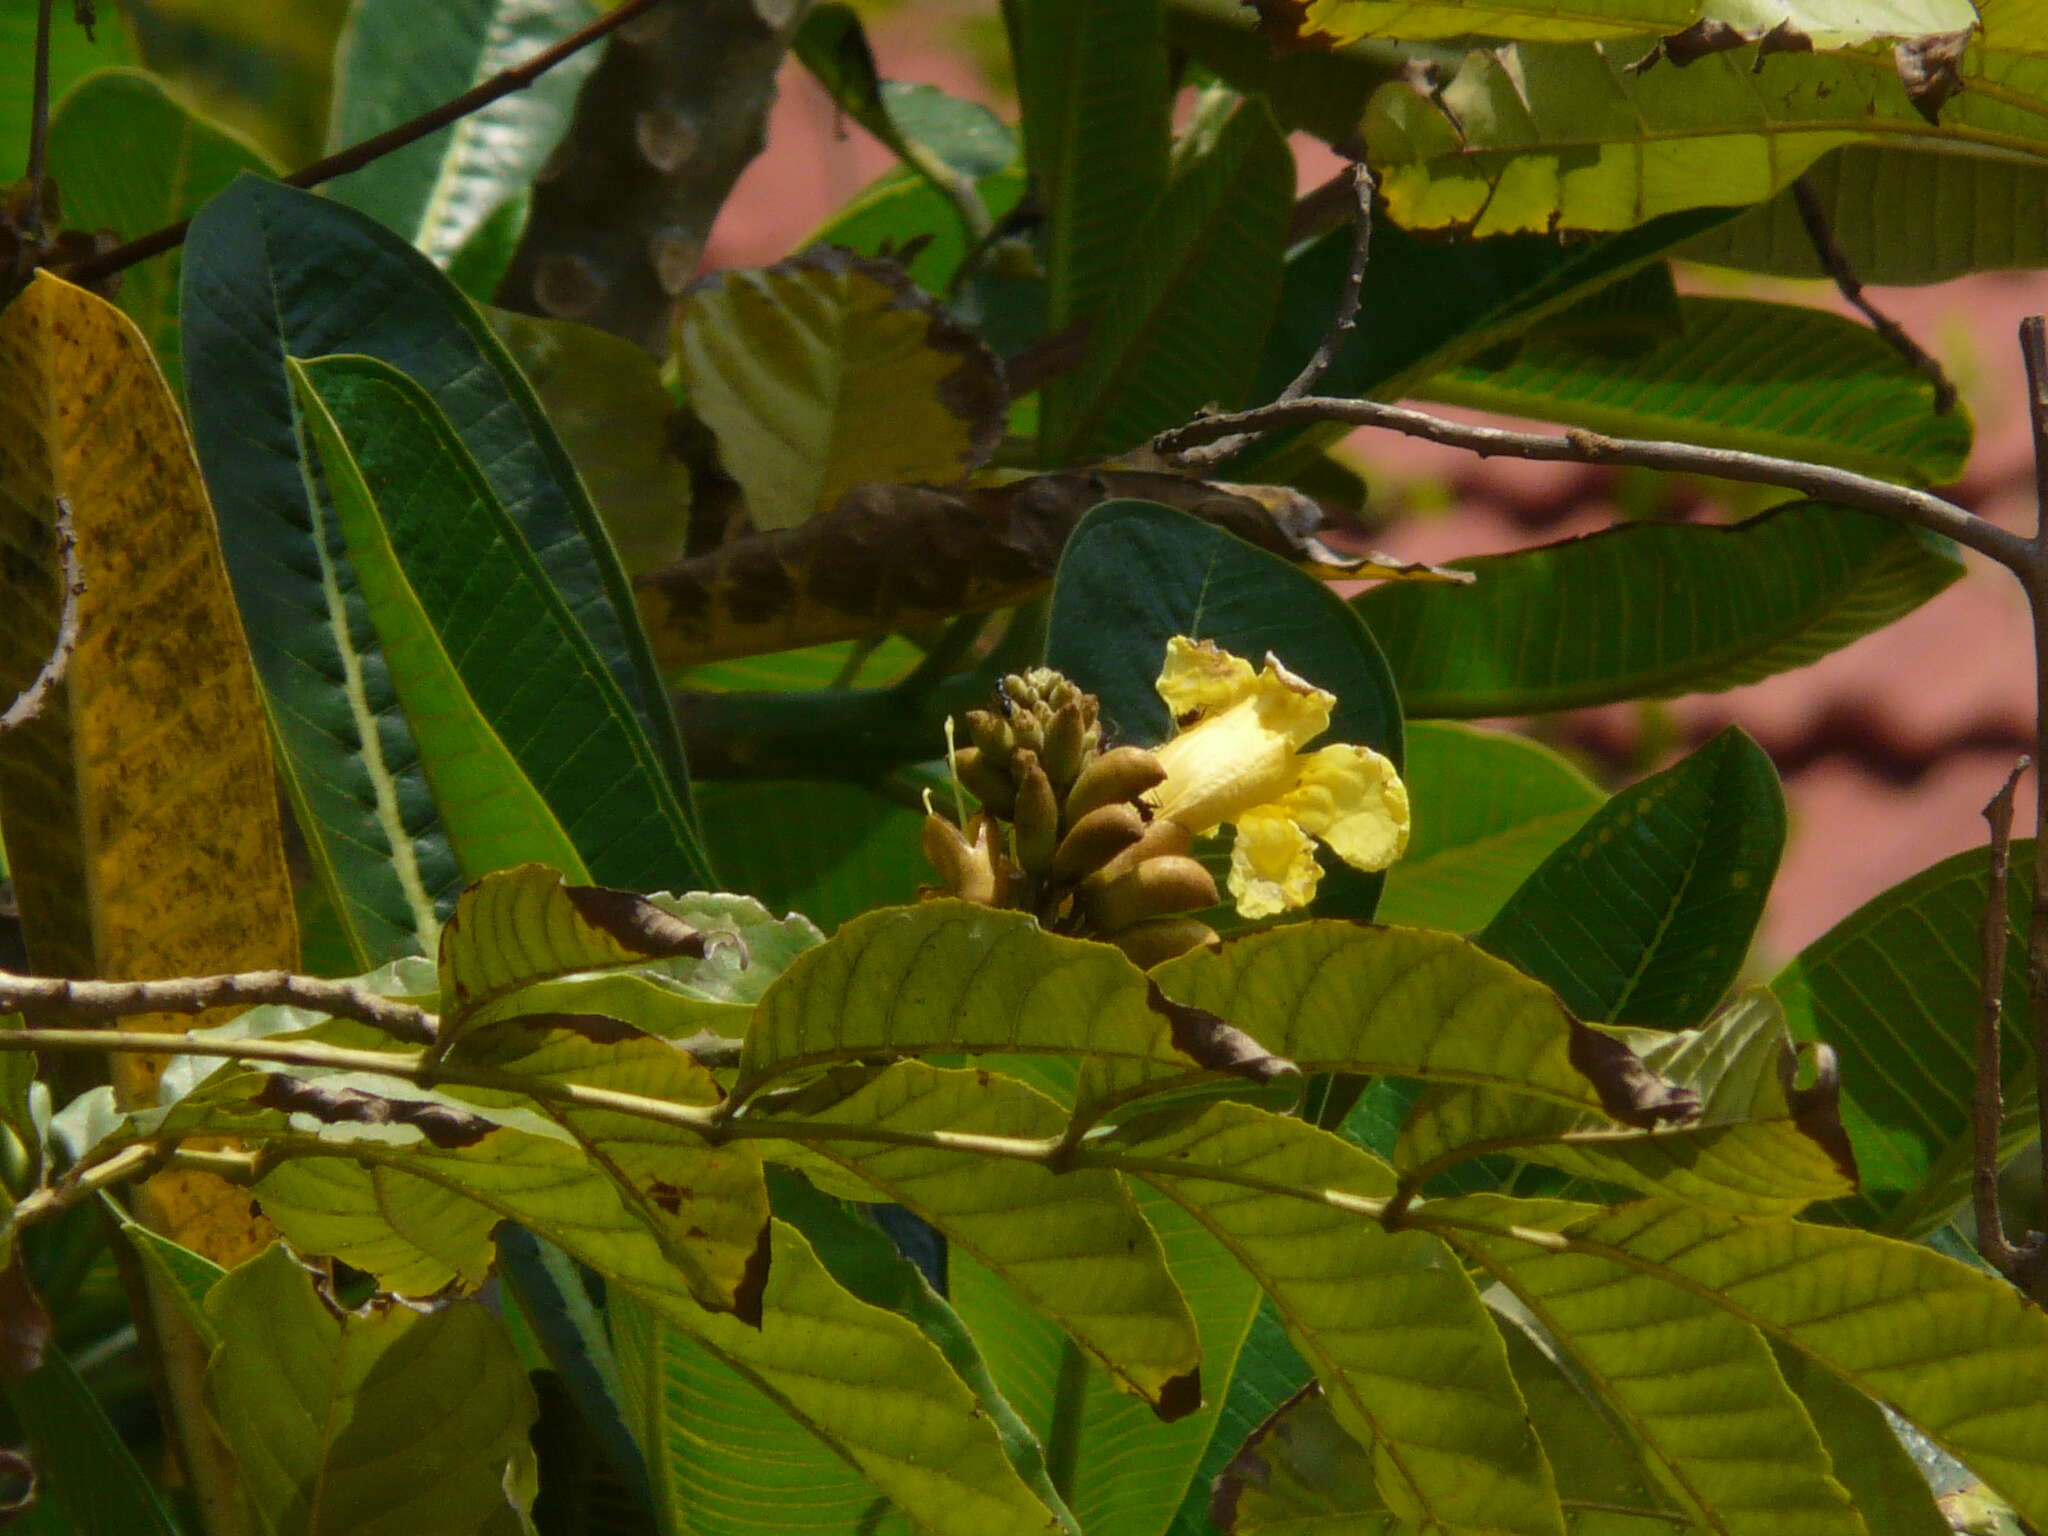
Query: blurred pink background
[(1889, 748)]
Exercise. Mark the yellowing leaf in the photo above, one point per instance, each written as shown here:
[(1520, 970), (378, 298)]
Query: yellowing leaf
[(140, 808), (830, 370), (1825, 23)]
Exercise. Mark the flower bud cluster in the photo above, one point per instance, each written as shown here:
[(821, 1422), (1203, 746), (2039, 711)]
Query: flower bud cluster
[(1064, 831)]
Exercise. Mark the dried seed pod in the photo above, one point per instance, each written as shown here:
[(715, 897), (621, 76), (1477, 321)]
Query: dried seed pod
[(1160, 939), (966, 868), (1097, 838), (1037, 815), (1162, 839), (1157, 887), (981, 778), (1123, 773)]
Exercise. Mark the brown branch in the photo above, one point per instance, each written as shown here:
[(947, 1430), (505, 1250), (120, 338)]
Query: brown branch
[(1836, 263), (196, 994), (1362, 188), (1920, 508), (29, 703), (356, 156), (2033, 574), (1988, 1103)]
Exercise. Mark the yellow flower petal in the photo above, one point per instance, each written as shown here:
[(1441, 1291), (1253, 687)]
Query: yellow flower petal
[(1221, 768), (1272, 864), (1351, 798), (1200, 677)]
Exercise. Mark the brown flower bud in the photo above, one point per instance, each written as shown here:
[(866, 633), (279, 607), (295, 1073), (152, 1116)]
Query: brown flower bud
[(1162, 839), (1066, 746), (1155, 888), (1160, 939), (991, 733), (1123, 773), (993, 787), (1037, 816), (966, 868), (1097, 838)]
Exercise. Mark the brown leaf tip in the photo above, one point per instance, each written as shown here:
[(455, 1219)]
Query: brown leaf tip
[(637, 922), (1817, 1108), (1216, 1043), (1180, 1396), (446, 1127), (1629, 1091), (748, 1295)]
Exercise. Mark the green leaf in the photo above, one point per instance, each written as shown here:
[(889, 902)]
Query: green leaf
[(397, 60), (1893, 987), (87, 1471), (130, 159), (899, 207), (1299, 1471), (828, 371), (187, 1277), (1761, 1145), (605, 398), (1129, 1470), (1096, 104), (1993, 216), (1269, 1371), (1693, 1381), (416, 1236), (1821, 23), (826, 848), (1135, 573), (1072, 1244), (486, 802), (543, 708), (73, 56), (1645, 915), (1764, 378), (1554, 627), (1489, 807), (1408, 1002), (1956, 1351), (1571, 136), (948, 976), (1186, 325), (381, 1420), (1395, 1332), (1883, 1481), (271, 271)]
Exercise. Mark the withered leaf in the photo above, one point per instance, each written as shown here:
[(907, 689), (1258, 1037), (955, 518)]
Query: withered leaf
[(1629, 1091), (1930, 68), (25, 1328), (1218, 1044), (1817, 1108), (446, 1127)]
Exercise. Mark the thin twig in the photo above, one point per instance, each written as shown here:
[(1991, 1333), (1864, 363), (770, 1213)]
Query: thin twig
[(356, 156), (1836, 264), (2032, 571), (196, 994), (1361, 188), (1920, 508), (38, 127), (29, 703), (1988, 1104)]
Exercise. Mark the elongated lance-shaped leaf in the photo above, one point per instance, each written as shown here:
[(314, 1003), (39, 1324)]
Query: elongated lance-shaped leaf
[(396, 62), (486, 801), (382, 1421), (1883, 1478), (526, 925), (271, 272), (1489, 807), (516, 647), (1762, 1144), (141, 825), (1128, 1469), (1765, 378), (1393, 1328), (85, 1470), (1645, 915), (1186, 325), (129, 158), (1893, 987), (1694, 1384), (1549, 628), (1955, 1350), (1405, 1002), (1570, 136), (1096, 104), (1073, 1244), (949, 976)]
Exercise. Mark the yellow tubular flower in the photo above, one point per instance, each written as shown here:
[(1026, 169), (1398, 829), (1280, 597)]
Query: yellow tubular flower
[(1237, 758)]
